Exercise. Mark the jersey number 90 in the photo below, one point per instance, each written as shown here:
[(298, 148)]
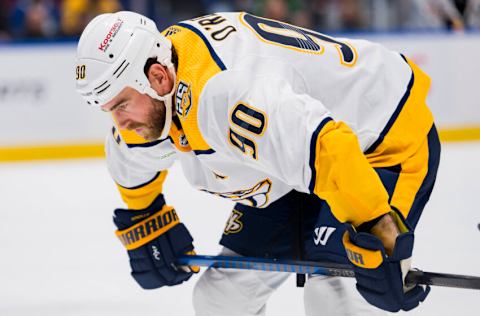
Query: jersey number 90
[(80, 72), (246, 122), (296, 38)]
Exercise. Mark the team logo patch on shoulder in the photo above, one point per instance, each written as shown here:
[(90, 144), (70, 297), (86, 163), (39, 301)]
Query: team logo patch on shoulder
[(183, 99)]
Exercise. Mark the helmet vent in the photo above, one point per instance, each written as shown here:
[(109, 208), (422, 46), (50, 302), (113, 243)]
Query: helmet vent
[(100, 86), (101, 91), (122, 70), (123, 62)]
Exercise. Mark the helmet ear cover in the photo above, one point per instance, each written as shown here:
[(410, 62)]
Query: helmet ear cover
[(113, 51)]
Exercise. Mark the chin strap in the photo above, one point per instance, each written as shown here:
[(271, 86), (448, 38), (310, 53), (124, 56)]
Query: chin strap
[(167, 101), (168, 117)]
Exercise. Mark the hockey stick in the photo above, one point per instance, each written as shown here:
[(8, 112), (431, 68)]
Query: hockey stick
[(324, 268)]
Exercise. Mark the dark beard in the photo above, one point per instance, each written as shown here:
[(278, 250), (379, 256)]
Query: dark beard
[(154, 127)]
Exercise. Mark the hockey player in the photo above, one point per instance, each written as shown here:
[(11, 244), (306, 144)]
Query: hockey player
[(325, 144)]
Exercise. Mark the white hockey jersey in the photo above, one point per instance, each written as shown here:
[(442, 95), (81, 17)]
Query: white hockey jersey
[(265, 107)]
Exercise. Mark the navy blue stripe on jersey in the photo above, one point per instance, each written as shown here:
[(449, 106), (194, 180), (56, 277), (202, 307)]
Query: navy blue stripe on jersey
[(143, 184), (116, 135), (313, 145), (204, 152), (393, 118), (149, 144), (214, 55), (423, 193)]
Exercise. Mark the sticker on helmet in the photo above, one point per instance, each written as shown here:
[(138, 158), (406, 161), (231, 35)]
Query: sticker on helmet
[(80, 72), (110, 35)]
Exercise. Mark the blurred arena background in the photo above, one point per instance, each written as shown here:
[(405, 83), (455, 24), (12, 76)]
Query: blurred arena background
[(58, 253), (37, 49)]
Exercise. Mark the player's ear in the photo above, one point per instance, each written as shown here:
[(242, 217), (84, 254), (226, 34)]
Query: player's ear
[(157, 76)]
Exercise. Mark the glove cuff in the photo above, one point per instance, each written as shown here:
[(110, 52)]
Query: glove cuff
[(148, 229)]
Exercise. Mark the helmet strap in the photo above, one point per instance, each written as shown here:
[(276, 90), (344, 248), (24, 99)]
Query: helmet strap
[(168, 118), (167, 101)]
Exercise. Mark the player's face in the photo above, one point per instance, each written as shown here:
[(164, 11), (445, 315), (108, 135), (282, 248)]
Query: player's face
[(137, 112)]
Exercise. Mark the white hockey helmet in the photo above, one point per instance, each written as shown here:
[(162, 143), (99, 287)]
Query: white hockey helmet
[(112, 53)]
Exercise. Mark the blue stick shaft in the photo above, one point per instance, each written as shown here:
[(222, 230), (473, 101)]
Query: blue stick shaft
[(248, 263), (323, 268)]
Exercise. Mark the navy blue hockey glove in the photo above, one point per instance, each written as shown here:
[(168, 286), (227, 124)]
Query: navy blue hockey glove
[(154, 238), (380, 278)]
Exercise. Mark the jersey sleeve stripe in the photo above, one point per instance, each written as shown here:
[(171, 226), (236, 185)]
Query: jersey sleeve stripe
[(409, 129), (214, 55), (345, 179), (149, 144), (313, 144), (423, 193), (141, 196), (143, 184), (394, 116), (204, 152)]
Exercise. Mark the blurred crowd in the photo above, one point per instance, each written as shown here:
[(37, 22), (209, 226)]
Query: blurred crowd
[(53, 19)]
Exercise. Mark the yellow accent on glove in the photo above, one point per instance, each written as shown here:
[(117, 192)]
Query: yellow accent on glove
[(361, 257), (148, 229), (195, 269)]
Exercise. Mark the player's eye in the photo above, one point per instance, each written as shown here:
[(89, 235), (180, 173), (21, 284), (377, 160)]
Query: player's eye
[(122, 106)]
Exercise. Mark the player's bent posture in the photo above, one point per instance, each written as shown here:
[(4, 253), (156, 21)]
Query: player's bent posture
[(325, 144)]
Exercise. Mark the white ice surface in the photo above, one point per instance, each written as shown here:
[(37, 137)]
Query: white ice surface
[(58, 254)]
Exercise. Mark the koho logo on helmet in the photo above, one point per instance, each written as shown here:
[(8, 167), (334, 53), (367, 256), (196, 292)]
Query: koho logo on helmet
[(111, 34)]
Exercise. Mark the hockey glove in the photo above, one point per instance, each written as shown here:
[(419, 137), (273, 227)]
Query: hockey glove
[(380, 278), (154, 237)]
